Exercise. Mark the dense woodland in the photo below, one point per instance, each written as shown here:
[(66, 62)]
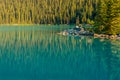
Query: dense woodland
[(107, 18), (46, 11), (104, 14)]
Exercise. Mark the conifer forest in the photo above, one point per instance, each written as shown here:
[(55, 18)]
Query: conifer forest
[(104, 14)]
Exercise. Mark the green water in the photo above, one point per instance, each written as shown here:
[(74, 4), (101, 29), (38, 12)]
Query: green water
[(38, 53)]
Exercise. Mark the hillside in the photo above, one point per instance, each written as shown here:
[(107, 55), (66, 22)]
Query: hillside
[(47, 11)]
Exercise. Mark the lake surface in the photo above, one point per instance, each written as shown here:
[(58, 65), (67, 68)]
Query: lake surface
[(38, 53)]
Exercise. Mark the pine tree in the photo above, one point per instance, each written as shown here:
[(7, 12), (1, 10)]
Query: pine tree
[(101, 16), (45, 11), (108, 16), (114, 17)]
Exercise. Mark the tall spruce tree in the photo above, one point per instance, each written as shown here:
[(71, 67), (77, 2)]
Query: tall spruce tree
[(101, 16), (46, 11), (108, 29), (114, 17), (108, 16)]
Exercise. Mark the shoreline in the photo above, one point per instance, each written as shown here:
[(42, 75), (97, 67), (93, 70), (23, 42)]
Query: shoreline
[(106, 36), (80, 31), (95, 35), (16, 24), (1, 25)]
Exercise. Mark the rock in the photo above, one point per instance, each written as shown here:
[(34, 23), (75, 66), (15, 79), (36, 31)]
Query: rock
[(82, 29), (107, 36), (79, 31), (96, 35), (60, 33), (70, 31), (77, 26), (113, 37), (118, 38), (102, 35), (65, 33)]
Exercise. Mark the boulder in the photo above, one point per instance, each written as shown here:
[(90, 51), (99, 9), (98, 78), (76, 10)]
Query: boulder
[(77, 31), (96, 35), (113, 37), (118, 38), (65, 33), (102, 36), (107, 36), (82, 29)]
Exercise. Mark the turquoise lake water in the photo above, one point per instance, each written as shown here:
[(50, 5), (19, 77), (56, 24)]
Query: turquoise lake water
[(39, 53)]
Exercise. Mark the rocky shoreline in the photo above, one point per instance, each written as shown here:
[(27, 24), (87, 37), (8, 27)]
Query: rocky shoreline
[(106, 36), (80, 31)]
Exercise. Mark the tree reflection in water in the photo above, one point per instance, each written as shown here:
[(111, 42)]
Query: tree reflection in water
[(44, 54)]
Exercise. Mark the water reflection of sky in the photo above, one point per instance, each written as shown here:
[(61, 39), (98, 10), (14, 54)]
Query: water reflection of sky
[(44, 55)]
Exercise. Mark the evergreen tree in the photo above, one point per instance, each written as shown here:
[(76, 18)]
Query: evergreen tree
[(113, 17), (105, 13), (101, 16), (45, 11), (108, 17)]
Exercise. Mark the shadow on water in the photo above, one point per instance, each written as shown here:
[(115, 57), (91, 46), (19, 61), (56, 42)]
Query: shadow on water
[(44, 55)]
